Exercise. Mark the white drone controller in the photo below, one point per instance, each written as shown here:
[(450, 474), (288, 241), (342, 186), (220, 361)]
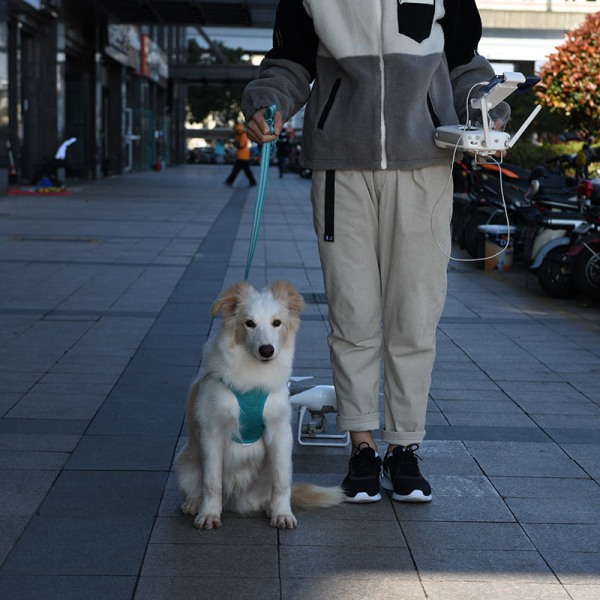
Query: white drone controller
[(485, 140)]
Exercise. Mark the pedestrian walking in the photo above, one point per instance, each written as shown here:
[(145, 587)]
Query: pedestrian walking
[(283, 146), (242, 156)]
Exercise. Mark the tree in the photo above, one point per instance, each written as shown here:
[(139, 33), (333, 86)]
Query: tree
[(571, 78), (222, 102)]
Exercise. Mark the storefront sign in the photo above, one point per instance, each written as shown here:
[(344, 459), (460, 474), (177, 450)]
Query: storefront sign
[(155, 65), (125, 46)]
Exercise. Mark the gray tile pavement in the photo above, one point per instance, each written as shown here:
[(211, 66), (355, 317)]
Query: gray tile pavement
[(104, 301)]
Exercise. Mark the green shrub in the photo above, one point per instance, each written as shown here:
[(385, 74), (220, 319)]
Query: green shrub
[(531, 155)]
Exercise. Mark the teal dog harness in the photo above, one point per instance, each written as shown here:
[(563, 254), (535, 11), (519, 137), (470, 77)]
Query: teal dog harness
[(252, 404)]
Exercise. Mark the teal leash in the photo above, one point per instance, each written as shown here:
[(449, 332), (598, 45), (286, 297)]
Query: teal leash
[(265, 159)]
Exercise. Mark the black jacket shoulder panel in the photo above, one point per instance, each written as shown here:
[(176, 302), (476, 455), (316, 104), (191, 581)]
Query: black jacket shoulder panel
[(294, 36), (462, 31)]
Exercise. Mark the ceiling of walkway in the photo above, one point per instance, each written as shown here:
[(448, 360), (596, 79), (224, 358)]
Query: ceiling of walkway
[(225, 13)]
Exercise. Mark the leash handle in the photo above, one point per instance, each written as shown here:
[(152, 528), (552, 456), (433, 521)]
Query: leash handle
[(270, 117), (265, 159)]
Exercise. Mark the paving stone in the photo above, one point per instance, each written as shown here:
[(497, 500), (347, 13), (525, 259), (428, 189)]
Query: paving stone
[(11, 527), (351, 585), (555, 510), (123, 453), (523, 459), (121, 493), (315, 562), (472, 565), (546, 487), (135, 417), (45, 461), (254, 530), (588, 591), (483, 433), (577, 537), (66, 588), (574, 567), (225, 561), (38, 405), (321, 528), (466, 536), (494, 588), (192, 587), (38, 442), (89, 545), (585, 455)]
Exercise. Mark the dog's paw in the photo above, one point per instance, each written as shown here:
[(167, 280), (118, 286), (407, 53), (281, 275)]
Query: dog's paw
[(284, 521), (207, 522), (190, 507)]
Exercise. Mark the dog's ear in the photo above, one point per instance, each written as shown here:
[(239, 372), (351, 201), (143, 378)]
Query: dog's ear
[(282, 290), (229, 299)]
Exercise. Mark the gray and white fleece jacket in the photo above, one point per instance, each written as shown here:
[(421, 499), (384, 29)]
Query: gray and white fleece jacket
[(377, 78)]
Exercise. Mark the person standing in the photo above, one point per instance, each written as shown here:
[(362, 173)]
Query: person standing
[(242, 156), (377, 78), (283, 151)]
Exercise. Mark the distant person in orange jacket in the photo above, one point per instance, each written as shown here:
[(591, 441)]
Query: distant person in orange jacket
[(242, 156)]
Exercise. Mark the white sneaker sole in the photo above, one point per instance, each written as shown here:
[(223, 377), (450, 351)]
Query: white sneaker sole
[(363, 497), (414, 496)]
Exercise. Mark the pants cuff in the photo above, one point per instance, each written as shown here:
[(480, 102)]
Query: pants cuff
[(360, 423), (403, 438)]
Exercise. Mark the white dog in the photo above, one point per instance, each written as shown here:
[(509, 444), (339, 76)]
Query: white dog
[(239, 452)]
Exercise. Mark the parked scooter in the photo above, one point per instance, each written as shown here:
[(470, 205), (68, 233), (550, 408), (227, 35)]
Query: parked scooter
[(479, 201), (583, 254), (561, 235)]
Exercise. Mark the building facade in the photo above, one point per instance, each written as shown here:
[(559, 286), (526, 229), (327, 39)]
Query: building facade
[(67, 70)]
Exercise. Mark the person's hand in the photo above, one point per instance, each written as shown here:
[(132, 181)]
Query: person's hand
[(258, 129), (498, 125)]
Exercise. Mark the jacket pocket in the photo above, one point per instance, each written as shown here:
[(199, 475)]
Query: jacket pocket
[(329, 103), (415, 19)]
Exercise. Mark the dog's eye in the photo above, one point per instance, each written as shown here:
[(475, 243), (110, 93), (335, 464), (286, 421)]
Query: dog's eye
[(250, 323), (276, 323)]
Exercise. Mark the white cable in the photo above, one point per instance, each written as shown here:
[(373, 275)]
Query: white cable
[(504, 207)]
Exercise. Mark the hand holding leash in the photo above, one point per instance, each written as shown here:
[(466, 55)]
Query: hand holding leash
[(260, 130), (265, 160)]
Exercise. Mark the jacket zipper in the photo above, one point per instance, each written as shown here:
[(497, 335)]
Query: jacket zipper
[(329, 104), (382, 74)]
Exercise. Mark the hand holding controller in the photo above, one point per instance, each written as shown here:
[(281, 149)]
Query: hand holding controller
[(487, 141)]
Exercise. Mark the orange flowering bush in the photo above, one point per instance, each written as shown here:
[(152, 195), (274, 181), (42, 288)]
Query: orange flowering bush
[(571, 78)]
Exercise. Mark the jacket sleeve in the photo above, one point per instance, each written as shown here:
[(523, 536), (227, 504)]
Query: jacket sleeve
[(288, 69), (462, 32)]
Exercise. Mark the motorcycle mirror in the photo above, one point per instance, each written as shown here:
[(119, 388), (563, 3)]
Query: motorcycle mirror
[(534, 188)]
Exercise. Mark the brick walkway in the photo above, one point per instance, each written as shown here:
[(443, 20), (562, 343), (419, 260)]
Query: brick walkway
[(104, 300)]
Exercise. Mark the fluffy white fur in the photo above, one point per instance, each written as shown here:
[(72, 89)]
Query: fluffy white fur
[(254, 348)]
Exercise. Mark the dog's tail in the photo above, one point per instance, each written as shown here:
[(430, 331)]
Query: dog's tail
[(307, 495)]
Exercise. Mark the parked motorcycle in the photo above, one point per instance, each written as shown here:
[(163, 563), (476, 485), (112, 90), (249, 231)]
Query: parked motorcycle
[(565, 238), (583, 254), (479, 201)]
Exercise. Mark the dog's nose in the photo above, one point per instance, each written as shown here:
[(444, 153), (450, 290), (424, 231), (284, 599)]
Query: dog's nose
[(266, 351)]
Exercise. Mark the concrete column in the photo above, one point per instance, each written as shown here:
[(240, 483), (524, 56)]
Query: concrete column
[(4, 162)]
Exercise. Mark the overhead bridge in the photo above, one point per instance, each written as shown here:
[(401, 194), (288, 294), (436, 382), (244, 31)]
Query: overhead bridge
[(232, 74), (249, 13)]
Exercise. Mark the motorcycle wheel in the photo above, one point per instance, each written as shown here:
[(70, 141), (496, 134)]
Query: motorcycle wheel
[(586, 272), (471, 232), (554, 277)]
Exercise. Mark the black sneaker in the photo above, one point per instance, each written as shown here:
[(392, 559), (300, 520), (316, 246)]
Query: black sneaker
[(401, 474), (362, 482)]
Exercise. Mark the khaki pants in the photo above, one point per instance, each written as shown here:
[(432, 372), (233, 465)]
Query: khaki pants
[(385, 280)]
